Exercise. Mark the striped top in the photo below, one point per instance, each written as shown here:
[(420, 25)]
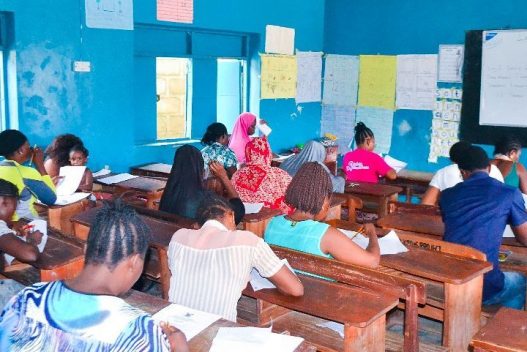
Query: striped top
[(211, 266)]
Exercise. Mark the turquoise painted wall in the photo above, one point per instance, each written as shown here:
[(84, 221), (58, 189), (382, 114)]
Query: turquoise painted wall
[(413, 27)]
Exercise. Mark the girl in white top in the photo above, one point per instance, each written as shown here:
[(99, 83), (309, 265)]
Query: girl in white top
[(211, 266)]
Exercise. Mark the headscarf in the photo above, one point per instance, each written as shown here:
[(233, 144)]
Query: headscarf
[(312, 151), (239, 136), (258, 181), (10, 141)]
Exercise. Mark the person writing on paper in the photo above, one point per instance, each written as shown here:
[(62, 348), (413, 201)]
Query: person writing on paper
[(449, 176), (312, 151), (309, 193), (362, 164), (32, 183), (58, 154), (86, 313), (210, 267), (507, 154), (216, 140), (244, 127), (79, 157)]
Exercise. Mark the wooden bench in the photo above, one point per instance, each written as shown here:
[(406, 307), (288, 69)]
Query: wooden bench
[(149, 188), (412, 182), (406, 208), (505, 332)]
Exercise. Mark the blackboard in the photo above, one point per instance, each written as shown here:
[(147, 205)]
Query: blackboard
[(470, 129)]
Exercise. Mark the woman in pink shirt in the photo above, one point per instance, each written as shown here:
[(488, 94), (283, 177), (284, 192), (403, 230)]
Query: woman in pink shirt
[(362, 164)]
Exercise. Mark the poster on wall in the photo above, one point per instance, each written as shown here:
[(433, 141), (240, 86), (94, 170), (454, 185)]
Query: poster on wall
[(279, 40), (380, 121), (450, 63), (309, 82), (416, 82), (377, 81), (341, 80), (110, 14), (338, 121), (181, 11), (278, 76)]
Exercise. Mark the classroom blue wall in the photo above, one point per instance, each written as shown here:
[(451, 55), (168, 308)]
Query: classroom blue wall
[(413, 27), (108, 107)]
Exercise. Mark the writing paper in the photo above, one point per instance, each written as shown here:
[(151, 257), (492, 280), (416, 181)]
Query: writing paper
[(395, 164), (188, 320), (71, 198), (252, 208), (38, 225), (450, 63), (278, 76), (241, 339), (71, 179), (341, 80), (377, 81), (416, 81), (380, 121), (116, 178), (309, 82), (109, 14), (264, 128), (175, 10), (279, 40), (339, 121), (388, 244), (102, 172)]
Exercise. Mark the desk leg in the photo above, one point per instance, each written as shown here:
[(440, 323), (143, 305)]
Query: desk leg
[(64, 272), (383, 207), (165, 271), (370, 338), (462, 313)]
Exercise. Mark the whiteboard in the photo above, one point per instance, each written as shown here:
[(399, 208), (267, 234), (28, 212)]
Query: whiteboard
[(503, 96)]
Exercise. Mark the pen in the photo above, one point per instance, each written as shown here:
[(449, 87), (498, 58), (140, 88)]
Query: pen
[(358, 232), (32, 155)]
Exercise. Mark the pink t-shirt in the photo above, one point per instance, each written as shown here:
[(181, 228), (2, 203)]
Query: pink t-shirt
[(364, 166)]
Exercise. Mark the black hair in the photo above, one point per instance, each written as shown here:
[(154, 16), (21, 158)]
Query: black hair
[(475, 158), (8, 189), (362, 133), (239, 209), (185, 181), (507, 144), (81, 149), (308, 189), (60, 147), (11, 141), (458, 150), (117, 233), (212, 207), (213, 133)]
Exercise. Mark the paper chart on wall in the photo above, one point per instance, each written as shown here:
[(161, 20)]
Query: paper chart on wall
[(416, 82), (278, 76), (339, 121), (380, 121), (377, 81), (309, 82), (444, 135), (341, 80), (109, 14), (181, 11), (279, 40), (450, 63)]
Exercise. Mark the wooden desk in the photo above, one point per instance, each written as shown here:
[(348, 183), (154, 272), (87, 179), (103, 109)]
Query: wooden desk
[(59, 215), (335, 207), (199, 343), (257, 223), (159, 170), (378, 193), (150, 188), (428, 224), (412, 182), (505, 332)]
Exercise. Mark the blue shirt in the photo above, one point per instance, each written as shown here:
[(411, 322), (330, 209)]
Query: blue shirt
[(475, 213)]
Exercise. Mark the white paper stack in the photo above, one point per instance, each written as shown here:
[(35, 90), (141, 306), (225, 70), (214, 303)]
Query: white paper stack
[(389, 244), (254, 340), (188, 320)]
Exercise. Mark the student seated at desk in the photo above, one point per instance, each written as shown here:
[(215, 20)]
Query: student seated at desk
[(507, 158), (85, 313), (449, 176), (309, 193), (258, 181), (79, 157), (210, 266), (475, 213), (216, 140), (244, 127), (31, 184), (362, 164), (312, 151), (58, 153)]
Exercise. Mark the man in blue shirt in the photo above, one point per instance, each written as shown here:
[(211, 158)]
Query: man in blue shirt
[(475, 213)]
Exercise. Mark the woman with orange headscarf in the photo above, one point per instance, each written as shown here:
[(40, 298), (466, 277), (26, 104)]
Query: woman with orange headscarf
[(243, 128), (258, 181)]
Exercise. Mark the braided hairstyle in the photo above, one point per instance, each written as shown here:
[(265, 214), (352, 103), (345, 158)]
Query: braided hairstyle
[(116, 234), (213, 133), (212, 207), (309, 188), (60, 147), (507, 145), (8, 189), (362, 133)]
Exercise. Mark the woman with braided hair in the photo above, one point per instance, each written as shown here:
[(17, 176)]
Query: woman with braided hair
[(309, 193)]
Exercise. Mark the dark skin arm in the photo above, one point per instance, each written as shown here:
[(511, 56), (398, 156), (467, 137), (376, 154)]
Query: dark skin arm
[(86, 184), (219, 171), (522, 174), (391, 175), (23, 251), (176, 338), (230, 171)]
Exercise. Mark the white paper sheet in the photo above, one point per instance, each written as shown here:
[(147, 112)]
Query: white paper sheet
[(158, 167), (72, 198), (253, 208), (337, 327), (416, 82), (38, 225), (341, 80), (72, 177), (279, 40), (389, 244), (339, 121), (395, 164), (259, 282), (264, 128), (309, 81), (102, 172), (110, 14), (450, 63), (188, 320), (380, 121), (253, 339), (116, 178), (283, 157)]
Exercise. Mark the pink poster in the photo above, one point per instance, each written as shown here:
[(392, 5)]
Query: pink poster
[(175, 10)]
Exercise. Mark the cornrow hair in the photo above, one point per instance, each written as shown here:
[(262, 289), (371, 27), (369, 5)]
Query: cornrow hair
[(117, 233), (214, 131), (212, 207), (362, 133), (507, 145), (308, 189), (8, 189), (80, 148)]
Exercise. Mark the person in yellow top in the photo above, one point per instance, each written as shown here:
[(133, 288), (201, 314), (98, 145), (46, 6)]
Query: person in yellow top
[(32, 183)]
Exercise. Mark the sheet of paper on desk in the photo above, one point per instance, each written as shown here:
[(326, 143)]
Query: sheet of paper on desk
[(38, 225), (116, 178), (253, 339), (102, 172), (72, 176), (395, 164), (264, 128), (253, 208), (283, 157), (188, 320), (72, 198), (389, 244)]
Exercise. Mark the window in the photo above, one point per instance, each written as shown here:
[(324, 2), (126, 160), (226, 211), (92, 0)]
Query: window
[(231, 92), (173, 93)]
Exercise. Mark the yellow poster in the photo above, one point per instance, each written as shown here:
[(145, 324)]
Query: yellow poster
[(278, 76), (377, 81)]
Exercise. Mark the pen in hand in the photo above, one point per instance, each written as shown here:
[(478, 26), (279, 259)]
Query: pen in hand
[(358, 232), (32, 155)]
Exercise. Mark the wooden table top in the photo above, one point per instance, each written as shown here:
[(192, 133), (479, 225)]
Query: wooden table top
[(373, 189), (59, 250), (506, 331), (415, 176), (264, 214), (427, 224), (145, 184)]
